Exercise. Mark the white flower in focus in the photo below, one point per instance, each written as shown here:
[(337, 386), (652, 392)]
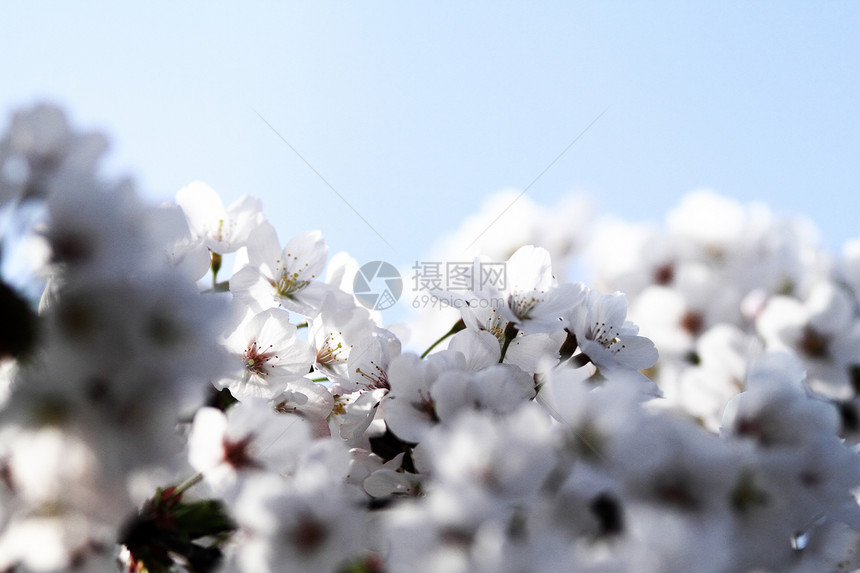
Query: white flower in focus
[(523, 350), (606, 337), (222, 230), (524, 292), (369, 359), (353, 415), (267, 356), (534, 303), (520, 305), (334, 332), (310, 401), (289, 277), (479, 347)]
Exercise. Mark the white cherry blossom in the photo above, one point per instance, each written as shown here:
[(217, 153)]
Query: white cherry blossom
[(822, 330), (221, 230), (267, 356), (338, 327), (250, 437), (606, 337), (288, 277)]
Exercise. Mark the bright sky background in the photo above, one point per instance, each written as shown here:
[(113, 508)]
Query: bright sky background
[(415, 111)]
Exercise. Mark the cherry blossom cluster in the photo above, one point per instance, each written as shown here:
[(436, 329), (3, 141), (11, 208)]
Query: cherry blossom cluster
[(160, 412)]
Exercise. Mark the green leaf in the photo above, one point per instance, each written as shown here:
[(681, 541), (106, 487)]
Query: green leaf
[(202, 518)]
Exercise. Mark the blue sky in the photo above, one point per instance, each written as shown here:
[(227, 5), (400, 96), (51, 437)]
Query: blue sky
[(414, 112)]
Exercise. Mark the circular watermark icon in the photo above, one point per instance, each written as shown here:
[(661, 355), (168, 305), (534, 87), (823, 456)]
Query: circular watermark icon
[(377, 285)]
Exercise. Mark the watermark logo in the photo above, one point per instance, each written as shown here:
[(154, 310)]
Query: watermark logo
[(447, 284), (435, 284), (377, 285), (459, 276)]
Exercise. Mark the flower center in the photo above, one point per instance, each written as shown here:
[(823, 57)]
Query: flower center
[(605, 334), (222, 231), (496, 326), (814, 344), (376, 376), (238, 454), (255, 359), (692, 322), (290, 282), (521, 304), (308, 535), (427, 406), (330, 353)]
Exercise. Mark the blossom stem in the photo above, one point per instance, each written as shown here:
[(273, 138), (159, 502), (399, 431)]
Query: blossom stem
[(215, 265), (540, 381), (511, 332), (579, 360), (188, 484), (458, 326), (568, 347), (302, 324), (223, 286)]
